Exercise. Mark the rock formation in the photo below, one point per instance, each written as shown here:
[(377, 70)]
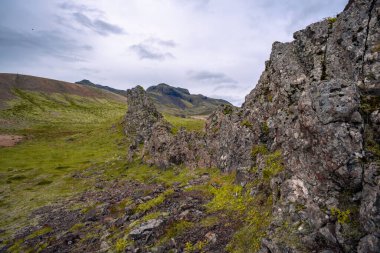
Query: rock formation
[(317, 104)]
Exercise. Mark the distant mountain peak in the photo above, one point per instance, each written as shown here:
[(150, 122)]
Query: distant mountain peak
[(174, 100), (167, 89), (180, 101), (85, 81)]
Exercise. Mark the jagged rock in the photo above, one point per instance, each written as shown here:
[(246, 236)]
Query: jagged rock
[(145, 229), (211, 237), (318, 102), (369, 244), (140, 118)]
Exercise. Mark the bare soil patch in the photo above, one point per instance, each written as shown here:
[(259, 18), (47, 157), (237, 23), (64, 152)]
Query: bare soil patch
[(7, 140)]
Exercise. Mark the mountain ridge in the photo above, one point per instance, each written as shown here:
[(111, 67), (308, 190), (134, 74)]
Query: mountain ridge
[(10, 81), (173, 100)]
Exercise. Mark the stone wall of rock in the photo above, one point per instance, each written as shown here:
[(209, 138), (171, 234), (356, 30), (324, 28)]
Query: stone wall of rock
[(318, 103)]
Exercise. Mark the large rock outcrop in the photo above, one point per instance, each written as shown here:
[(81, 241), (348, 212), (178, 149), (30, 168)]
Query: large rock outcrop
[(318, 103)]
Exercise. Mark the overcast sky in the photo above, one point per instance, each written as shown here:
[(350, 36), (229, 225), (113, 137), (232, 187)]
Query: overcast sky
[(214, 47)]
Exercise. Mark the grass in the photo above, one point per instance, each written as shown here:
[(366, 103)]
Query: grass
[(72, 141), (189, 124), (176, 229), (66, 136), (154, 202), (252, 212)]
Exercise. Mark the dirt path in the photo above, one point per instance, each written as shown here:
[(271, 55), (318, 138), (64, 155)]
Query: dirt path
[(9, 140)]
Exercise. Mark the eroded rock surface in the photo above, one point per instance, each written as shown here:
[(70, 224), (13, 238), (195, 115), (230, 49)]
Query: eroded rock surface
[(318, 103)]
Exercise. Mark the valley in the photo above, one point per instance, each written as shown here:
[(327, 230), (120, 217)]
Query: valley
[(67, 184)]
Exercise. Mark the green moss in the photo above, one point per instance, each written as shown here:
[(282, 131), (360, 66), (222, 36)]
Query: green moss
[(256, 219), (252, 212), (246, 123), (152, 216), (300, 207), (17, 178), (259, 149), (39, 232), (63, 139), (44, 182), (145, 173), (77, 227), (273, 165), (265, 128), (270, 97), (376, 48), (16, 247), (175, 230), (228, 197), (227, 109), (154, 202), (119, 208), (209, 221), (331, 20), (190, 124), (369, 104), (288, 234), (343, 217), (189, 247), (121, 244)]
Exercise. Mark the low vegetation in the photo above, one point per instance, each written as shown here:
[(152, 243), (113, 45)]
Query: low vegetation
[(65, 135), (190, 124), (72, 143)]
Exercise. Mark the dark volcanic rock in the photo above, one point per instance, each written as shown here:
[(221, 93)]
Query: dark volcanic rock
[(318, 103), (140, 118)]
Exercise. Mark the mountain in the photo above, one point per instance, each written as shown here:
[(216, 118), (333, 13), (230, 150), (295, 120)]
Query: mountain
[(179, 101), (11, 82), (29, 102), (89, 83), (172, 100)]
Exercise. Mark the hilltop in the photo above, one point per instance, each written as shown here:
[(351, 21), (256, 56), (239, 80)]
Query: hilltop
[(179, 101), (172, 100), (8, 82)]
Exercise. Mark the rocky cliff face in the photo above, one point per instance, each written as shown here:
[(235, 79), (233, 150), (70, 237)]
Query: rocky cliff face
[(316, 104)]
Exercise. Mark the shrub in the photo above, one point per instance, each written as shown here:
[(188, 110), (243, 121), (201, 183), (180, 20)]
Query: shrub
[(342, 216), (265, 128), (121, 244), (331, 20), (154, 202), (227, 109), (273, 165), (246, 123), (259, 149)]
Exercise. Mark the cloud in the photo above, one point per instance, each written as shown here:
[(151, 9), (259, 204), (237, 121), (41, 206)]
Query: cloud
[(226, 87), (210, 77), (97, 25), (144, 51), (224, 43), (35, 44), (79, 7), (160, 42), (196, 4)]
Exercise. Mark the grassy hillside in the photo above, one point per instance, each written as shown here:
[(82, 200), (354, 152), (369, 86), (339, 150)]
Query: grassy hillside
[(63, 135), (9, 82), (68, 143), (69, 181)]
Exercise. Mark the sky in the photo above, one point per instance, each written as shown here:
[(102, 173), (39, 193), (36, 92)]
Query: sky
[(212, 47)]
